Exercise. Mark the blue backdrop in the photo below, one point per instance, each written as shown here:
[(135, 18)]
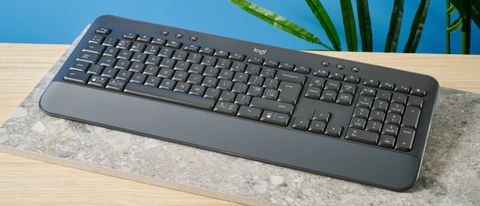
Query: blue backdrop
[(60, 21)]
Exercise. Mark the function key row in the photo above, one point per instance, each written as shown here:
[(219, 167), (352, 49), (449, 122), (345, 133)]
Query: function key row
[(392, 87)]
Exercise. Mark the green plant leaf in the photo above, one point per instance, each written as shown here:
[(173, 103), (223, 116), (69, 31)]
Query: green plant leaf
[(349, 25), (365, 25), (456, 25), (395, 26), (468, 9), (324, 19), (278, 21), (417, 27), (451, 10)]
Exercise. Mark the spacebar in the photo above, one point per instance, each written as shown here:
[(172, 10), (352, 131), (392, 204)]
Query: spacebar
[(169, 96)]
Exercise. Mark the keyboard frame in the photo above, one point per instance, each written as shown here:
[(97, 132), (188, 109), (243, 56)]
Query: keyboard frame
[(278, 145)]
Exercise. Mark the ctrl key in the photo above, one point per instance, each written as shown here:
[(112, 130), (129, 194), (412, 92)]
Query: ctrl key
[(76, 76), (405, 139)]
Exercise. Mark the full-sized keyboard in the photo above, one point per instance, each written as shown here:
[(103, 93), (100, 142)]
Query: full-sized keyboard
[(323, 115)]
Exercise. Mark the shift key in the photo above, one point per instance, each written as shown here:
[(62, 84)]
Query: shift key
[(289, 92)]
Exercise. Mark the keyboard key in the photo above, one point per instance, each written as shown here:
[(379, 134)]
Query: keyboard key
[(399, 98), (144, 38), (286, 66), (124, 44), (403, 89), (206, 50), (289, 92), (386, 141), (170, 96), (168, 84), (226, 108), (328, 96), (313, 92), (88, 57), (116, 85), (103, 30), (383, 95), (272, 105), (405, 139), (227, 96), (158, 41), (300, 123), (345, 99), (302, 69), (138, 78), (396, 108), (387, 86), (242, 99), (270, 94), (98, 81), (348, 89), (130, 35), (321, 116), (361, 112), (80, 66), (220, 53), (336, 76), (182, 66), (165, 52), (374, 126), (275, 118), (415, 102), (196, 90), (390, 129), (107, 61), (320, 73), (333, 130), (368, 92), (153, 81), (317, 126), (173, 44), (249, 112), (358, 123), (371, 83), (94, 48), (110, 72), (290, 76), (364, 101), (76, 76), (418, 92), (393, 118), (362, 136), (252, 69), (255, 60), (411, 117), (380, 105), (96, 39), (332, 85), (377, 115), (316, 82), (124, 75), (351, 78), (95, 69), (236, 56), (212, 93), (122, 64), (182, 87)]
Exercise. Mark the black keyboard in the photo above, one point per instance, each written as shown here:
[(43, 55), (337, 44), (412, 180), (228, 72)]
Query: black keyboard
[(314, 113)]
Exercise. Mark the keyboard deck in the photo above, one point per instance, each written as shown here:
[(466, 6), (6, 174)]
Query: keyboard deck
[(384, 110)]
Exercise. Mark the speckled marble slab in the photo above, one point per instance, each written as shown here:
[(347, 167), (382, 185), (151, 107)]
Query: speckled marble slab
[(450, 174)]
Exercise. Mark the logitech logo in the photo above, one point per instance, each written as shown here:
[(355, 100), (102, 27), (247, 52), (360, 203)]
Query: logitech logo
[(259, 51)]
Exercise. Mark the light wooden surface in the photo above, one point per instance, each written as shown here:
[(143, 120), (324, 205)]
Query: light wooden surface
[(29, 182)]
